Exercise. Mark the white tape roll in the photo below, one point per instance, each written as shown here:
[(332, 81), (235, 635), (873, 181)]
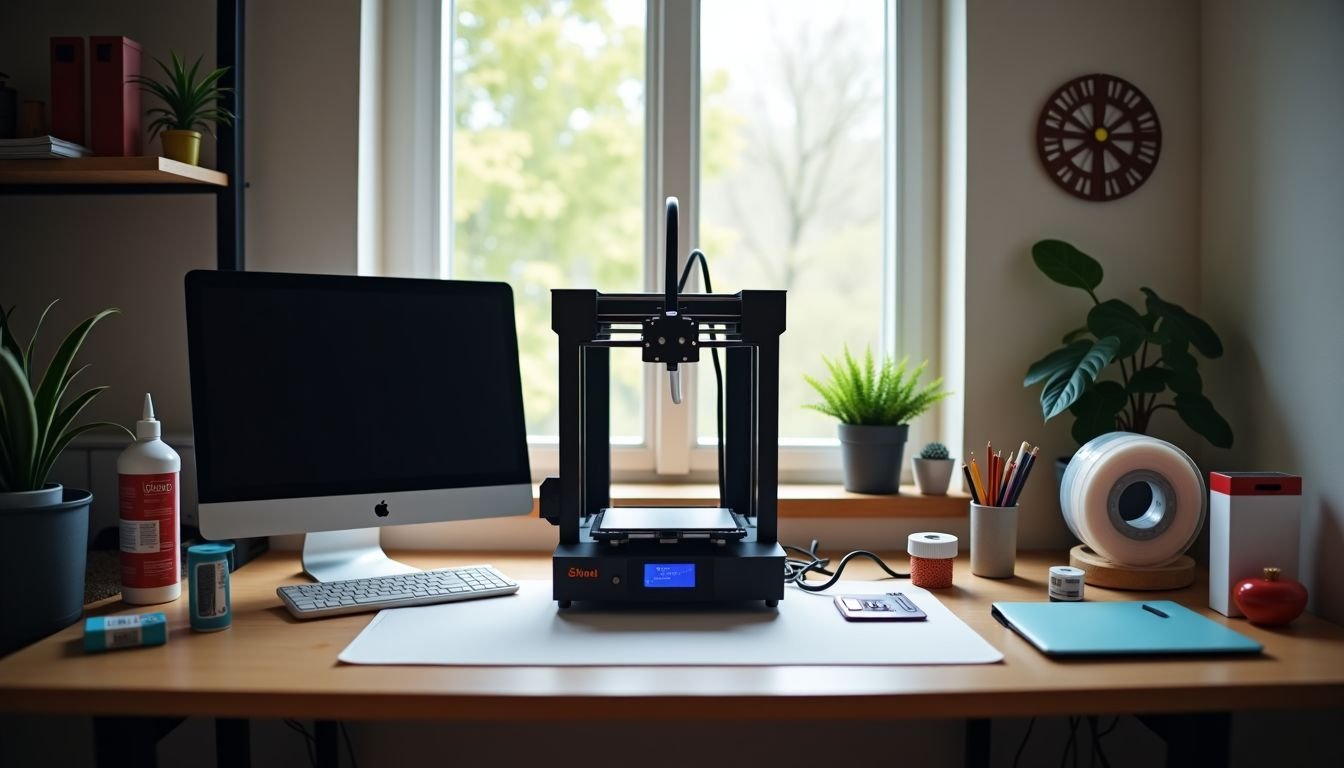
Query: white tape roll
[(1135, 500)]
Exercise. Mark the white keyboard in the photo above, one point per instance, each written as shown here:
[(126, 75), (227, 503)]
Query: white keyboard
[(333, 598)]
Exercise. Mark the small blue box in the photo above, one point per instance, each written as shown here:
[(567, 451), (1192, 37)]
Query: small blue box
[(208, 574), (108, 633)]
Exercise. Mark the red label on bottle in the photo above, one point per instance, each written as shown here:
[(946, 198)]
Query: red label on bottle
[(149, 534)]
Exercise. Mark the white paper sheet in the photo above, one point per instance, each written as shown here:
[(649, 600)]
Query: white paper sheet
[(527, 629)]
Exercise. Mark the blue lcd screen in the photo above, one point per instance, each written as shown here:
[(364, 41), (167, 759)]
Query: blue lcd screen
[(669, 575)]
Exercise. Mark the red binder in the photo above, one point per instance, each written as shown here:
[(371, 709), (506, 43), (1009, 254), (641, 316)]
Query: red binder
[(114, 104), (67, 88)]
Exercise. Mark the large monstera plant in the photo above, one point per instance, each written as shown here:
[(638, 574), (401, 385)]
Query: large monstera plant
[(1153, 350)]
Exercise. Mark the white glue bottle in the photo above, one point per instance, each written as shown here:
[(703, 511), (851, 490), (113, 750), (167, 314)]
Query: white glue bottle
[(148, 472)]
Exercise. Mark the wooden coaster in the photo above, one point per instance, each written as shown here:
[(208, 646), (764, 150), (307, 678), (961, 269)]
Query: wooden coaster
[(1103, 573)]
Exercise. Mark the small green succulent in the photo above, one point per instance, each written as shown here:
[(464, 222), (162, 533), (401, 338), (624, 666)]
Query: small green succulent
[(934, 451)]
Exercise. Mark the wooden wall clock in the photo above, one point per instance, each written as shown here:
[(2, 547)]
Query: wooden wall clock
[(1098, 137)]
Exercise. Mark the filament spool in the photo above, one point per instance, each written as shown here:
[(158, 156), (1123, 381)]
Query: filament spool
[(1136, 502)]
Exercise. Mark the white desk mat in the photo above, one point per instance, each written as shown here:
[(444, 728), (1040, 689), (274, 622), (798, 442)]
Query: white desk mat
[(527, 629)]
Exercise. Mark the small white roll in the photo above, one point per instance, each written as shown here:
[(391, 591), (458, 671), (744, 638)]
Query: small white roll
[(937, 546), (1103, 469)]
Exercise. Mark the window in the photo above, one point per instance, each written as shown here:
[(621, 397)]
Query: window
[(564, 123)]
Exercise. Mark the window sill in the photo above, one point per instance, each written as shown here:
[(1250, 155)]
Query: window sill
[(800, 501)]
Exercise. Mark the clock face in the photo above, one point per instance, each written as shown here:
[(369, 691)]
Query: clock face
[(1098, 137)]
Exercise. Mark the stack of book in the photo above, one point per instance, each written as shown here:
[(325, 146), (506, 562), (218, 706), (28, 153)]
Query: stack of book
[(40, 146)]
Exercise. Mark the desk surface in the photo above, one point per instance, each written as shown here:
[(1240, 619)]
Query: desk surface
[(268, 665)]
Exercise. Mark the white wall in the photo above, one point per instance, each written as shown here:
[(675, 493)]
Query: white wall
[(1272, 263), (1017, 54), (96, 251)]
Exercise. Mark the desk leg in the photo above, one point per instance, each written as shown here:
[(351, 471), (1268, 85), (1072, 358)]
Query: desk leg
[(233, 743), (1200, 740), (129, 740), (328, 743), (977, 743)]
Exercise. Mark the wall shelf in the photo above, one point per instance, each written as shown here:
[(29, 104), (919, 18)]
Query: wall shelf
[(109, 171)]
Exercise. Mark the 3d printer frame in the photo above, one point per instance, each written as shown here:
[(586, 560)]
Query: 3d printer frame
[(697, 563), (747, 325)]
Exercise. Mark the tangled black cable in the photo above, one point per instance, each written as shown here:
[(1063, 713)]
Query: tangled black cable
[(796, 570)]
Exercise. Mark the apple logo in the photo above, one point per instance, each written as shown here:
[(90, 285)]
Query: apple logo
[(380, 509)]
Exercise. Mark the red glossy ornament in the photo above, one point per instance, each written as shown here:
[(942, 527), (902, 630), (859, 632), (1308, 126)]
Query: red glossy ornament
[(1271, 601)]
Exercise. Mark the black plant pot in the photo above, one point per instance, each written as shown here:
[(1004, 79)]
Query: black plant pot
[(872, 457), (42, 558)]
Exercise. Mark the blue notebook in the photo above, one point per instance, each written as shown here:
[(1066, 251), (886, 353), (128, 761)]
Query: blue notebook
[(1119, 628)]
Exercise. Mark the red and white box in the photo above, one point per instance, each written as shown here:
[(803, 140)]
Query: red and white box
[(1254, 519)]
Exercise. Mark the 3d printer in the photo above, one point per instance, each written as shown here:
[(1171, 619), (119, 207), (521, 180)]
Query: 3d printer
[(668, 554)]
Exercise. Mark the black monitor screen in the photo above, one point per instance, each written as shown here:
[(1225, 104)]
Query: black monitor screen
[(316, 385)]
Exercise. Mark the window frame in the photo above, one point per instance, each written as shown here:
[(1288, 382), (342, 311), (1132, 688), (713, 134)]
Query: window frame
[(670, 450)]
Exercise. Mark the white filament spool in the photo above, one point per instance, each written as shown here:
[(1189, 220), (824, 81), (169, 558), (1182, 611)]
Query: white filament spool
[(1134, 500)]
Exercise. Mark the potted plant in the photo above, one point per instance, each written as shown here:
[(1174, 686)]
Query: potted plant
[(44, 528), (933, 469), (188, 104), (1153, 350), (874, 405)]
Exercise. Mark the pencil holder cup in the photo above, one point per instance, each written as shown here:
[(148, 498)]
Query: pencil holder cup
[(993, 541)]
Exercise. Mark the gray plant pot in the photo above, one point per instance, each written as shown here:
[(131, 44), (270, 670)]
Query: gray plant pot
[(871, 457), (42, 559), (933, 475)]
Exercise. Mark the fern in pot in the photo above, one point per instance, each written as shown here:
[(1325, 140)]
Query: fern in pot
[(874, 405), (44, 528)]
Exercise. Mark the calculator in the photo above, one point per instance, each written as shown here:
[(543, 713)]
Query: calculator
[(893, 606)]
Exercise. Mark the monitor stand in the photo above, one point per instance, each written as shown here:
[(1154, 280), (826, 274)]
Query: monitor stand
[(352, 554)]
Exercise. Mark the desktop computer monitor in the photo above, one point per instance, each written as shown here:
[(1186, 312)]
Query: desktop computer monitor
[(331, 405)]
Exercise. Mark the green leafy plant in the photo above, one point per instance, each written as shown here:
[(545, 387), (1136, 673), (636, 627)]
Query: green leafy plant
[(873, 395), (34, 427), (188, 103), (1152, 348), (934, 452)]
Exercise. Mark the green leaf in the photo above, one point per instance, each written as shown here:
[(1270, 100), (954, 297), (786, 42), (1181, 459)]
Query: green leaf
[(1116, 318), (1150, 380), (1067, 265), (1106, 396), (20, 417), (48, 453), (32, 343), (189, 102), (1066, 386), (1176, 358), (870, 394), (74, 432), (1182, 324), (1075, 335), (48, 395), (8, 340), (1065, 358), (1094, 425), (1095, 412), (1186, 381), (1199, 414)]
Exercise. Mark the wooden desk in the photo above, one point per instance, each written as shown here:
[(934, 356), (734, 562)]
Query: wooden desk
[(268, 665)]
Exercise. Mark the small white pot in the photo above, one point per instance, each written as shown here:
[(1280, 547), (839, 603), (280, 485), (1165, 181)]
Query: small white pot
[(933, 475)]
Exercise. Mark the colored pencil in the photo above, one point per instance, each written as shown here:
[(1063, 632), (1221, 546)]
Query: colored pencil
[(1007, 476), (1026, 472), (970, 483), (975, 478), (993, 472)]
